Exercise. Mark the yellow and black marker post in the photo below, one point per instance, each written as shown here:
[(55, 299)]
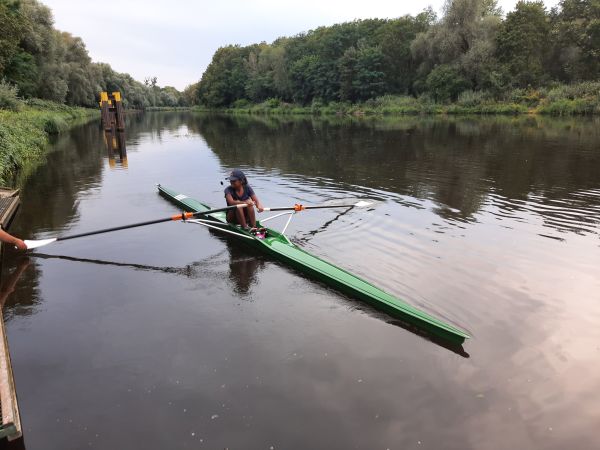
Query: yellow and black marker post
[(113, 124)]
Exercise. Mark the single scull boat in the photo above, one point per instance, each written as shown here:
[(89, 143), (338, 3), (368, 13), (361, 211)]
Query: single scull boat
[(277, 245)]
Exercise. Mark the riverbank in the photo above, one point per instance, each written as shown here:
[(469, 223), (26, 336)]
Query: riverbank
[(564, 100), (167, 108), (25, 133)]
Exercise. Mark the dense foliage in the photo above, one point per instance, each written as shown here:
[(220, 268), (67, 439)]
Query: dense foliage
[(472, 51), (42, 62), (24, 134)]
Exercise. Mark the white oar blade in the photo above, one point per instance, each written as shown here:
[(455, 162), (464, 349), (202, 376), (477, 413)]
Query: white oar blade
[(362, 204), (39, 243)]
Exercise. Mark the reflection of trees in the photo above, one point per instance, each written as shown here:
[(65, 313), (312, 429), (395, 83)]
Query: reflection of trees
[(49, 194), (154, 124), (74, 164), (455, 162)]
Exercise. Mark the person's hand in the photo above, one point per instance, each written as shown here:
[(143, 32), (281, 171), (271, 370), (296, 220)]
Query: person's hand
[(20, 245), (260, 209), (249, 202)]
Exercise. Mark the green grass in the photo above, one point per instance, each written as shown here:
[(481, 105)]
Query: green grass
[(24, 133), (168, 108), (559, 100)]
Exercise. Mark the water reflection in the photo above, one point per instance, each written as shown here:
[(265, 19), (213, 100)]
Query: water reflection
[(217, 344), (244, 267), (460, 164), (116, 145)]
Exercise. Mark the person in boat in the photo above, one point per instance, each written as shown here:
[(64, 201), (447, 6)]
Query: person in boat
[(10, 239), (238, 192)]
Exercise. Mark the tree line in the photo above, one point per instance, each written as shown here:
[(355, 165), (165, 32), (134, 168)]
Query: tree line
[(471, 48), (37, 60)]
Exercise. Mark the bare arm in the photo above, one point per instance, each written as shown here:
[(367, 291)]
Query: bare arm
[(257, 202), (9, 239), (230, 201)]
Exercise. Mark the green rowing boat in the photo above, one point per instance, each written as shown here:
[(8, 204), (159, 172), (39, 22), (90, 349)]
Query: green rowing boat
[(277, 245)]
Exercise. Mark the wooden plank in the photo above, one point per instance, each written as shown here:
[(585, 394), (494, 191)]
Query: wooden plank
[(11, 419), (10, 427), (7, 213)]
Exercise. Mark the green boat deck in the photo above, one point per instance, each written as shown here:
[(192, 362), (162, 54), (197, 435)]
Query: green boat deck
[(279, 247)]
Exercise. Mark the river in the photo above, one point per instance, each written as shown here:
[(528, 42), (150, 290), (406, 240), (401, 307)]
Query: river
[(172, 337)]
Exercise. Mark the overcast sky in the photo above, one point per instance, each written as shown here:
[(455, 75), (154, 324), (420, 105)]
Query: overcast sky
[(174, 40)]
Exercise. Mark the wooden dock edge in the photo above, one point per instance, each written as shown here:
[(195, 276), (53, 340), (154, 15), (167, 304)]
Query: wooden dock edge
[(10, 428), (11, 419)]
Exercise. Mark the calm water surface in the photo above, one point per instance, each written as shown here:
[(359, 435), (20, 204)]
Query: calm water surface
[(172, 337)]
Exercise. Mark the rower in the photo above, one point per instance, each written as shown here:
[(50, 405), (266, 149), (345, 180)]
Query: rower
[(238, 192)]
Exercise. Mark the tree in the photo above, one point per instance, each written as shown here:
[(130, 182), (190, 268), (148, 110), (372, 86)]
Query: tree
[(23, 72), (464, 37), (11, 31), (151, 81), (189, 95), (361, 73), (44, 62), (576, 32), (395, 38), (225, 78), (305, 75), (522, 43), (267, 73)]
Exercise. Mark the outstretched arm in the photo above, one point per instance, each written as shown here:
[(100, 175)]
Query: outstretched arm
[(10, 239)]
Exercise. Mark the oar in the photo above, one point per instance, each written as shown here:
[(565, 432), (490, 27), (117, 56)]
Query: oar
[(298, 207), (183, 216)]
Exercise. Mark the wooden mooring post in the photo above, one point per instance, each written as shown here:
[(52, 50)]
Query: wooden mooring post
[(113, 124)]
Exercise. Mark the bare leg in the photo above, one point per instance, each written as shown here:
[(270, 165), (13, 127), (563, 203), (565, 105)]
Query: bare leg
[(251, 216), (231, 216), (241, 217)]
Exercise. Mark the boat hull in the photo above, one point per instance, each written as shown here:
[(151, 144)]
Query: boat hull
[(279, 247)]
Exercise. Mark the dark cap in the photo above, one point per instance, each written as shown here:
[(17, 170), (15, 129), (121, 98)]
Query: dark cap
[(236, 174)]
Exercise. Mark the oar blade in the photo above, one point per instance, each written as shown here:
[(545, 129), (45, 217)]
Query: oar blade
[(39, 243)]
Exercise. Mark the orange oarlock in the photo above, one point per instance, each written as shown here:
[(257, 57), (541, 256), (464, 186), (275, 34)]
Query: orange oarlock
[(182, 216), (299, 207)]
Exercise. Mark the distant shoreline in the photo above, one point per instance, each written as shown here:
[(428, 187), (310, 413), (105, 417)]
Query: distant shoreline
[(531, 104)]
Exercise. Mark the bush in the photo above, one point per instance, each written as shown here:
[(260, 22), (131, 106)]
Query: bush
[(471, 98), (272, 102), (21, 143), (529, 97), (565, 107), (316, 106), (8, 96), (241, 103), (588, 89), (445, 83), (24, 134), (54, 124)]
